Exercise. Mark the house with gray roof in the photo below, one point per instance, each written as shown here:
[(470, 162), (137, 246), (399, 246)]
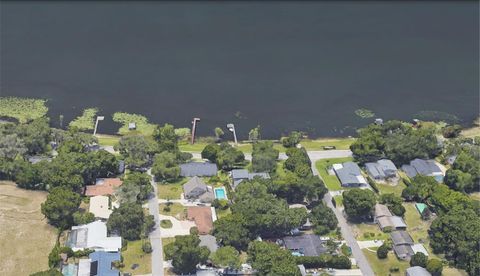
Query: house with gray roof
[(402, 244), (349, 174), (304, 245), (423, 167), (192, 169), (417, 271), (240, 175), (381, 170), (385, 219), (196, 189)]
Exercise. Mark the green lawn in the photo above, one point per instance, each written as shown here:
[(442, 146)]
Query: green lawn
[(135, 255), (368, 232), (171, 190), (107, 140), (222, 213), (382, 267), (186, 146), (331, 181), (417, 227), (166, 223), (339, 143), (339, 200), (388, 189), (177, 210)]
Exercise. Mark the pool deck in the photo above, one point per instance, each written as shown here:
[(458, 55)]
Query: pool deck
[(224, 193)]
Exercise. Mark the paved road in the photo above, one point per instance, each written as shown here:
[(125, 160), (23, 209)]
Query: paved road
[(155, 235), (314, 155), (347, 233)]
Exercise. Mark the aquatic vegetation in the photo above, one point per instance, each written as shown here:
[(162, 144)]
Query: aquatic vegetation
[(22, 109), (141, 122), (431, 115), (86, 121), (364, 113)]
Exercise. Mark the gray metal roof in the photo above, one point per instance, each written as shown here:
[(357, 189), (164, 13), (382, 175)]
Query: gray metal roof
[(398, 222), (403, 250), (241, 174), (193, 183), (409, 170), (381, 169), (401, 237), (198, 169), (417, 271), (308, 244), (425, 167), (348, 173)]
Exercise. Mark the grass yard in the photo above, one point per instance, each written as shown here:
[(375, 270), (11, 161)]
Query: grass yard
[(222, 213), (339, 143), (473, 131), (22, 109), (417, 227), (25, 237), (171, 190), (331, 181), (338, 200), (382, 267), (388, 189), (107, 140), (165, 223), (177, 210), (135, 255), (368, 232), (197, 147), (165, 242)]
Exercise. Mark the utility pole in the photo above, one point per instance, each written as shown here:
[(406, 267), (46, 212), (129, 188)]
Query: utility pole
[(194, 127), (231, 127), (99, 118)]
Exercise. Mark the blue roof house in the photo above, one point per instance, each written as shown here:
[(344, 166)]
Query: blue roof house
[(101, 263)]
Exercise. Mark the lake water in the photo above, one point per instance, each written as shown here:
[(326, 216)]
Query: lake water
[(283, 65)]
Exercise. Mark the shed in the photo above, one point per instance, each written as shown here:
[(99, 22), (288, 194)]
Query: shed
[(421, 207)]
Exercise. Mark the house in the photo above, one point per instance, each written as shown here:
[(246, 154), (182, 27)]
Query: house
[(304, 245), (240, 175), (418, 247), (209, 241), (385, 219), (93, 236), (83, 268), (196, 189), (103, 187), (202, 216), (99, 263), (402, 244), (99, 206), (198, 169), (381, 170), (424, 167), (417, 271), (349, 174)]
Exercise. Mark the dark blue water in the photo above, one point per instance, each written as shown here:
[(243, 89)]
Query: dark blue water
[(283, 65)]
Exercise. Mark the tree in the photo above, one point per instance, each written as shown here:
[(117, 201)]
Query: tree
[(264, 157), (464, 176), (134, 149), (60, 206), (254, 134), (269, 259), (382, 251), (127, 221), (323, 219), (226, 257), (165, 167), (11, 146), (295, 189), (186, 253), (166, 138), (140, 180), (419, 259), (358, 202), (182, 133), (29, 176), (228, 157), (394, 203), (219, 133), (435, 267), (83, 217), (210, 152), (292, 140), (50, 272), (451, 131), (231, 231), (420, 188), (35, 135)]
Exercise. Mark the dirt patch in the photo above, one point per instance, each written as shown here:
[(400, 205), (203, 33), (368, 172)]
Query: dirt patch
[(25, 237)]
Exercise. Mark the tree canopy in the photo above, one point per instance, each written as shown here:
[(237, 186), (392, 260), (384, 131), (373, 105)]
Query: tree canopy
[(227, 257), (60, 206), (323, 219), (165, 166), (269, 259), (186, 253), (129, 221), (264, 157), (359, 203)]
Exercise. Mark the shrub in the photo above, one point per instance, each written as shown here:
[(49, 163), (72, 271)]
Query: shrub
[(394, 269), (221, 204), (419, 259), (435, 267), (194, 231), (382, 252), (147, 247)]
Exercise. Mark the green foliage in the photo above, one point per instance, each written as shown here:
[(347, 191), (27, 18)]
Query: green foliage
[(136, 187), (226, 257), (224, 155), (231, 230), (135, 150), (83, 217), (35, 135), (165, 167), (141, 122), (264, 157), (269, 259), (325, 260), (323, 219), (221, 204), (295, 189), (54, 256), (210, 152), (382, 251), (219, 133), (183, 133), (435, 267), (127, 221), (11, 146), (166, 138), (50, 272), (394, 203), (147, 247), (86, 121), (22, 109), (464, 175), (364, 113), (254, 134), (358, 202), (419, 259), (298, 162), (292, 140), (60, 206), (451, 131), (186, 253), (421, 187)]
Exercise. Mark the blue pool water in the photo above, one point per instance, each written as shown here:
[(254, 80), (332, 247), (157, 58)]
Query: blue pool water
[(69, 270), (220, 193)]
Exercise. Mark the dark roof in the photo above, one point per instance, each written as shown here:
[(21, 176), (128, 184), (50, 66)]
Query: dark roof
[(241, 174), (348, 173), (403, 250), (194, 183), (401, 237), (198, 169), (308, 244), (101, 263), (423, 167), (381, 169)]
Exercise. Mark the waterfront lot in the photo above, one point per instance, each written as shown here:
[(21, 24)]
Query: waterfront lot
[(331, 181), (25, 237)]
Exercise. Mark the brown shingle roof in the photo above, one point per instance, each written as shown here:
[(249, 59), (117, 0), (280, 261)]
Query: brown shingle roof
[(202, 217), (103, 186)]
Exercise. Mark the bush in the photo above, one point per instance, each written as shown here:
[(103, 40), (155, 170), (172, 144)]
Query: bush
[(325, 260), (194, 231), (382, 252), (372, 184), (54, 256), (82, 253), (221, 204), (147, 247), (435, 267), (394, 269), (419, 259)]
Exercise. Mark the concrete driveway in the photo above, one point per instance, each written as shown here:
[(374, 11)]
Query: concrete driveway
[(179, 227)]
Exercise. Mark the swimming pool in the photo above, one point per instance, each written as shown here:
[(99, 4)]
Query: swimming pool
[(69, 270), (220, 193)]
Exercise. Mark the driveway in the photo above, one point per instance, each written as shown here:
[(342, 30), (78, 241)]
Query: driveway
[(368, 244), (179, 227), (155, 235)]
